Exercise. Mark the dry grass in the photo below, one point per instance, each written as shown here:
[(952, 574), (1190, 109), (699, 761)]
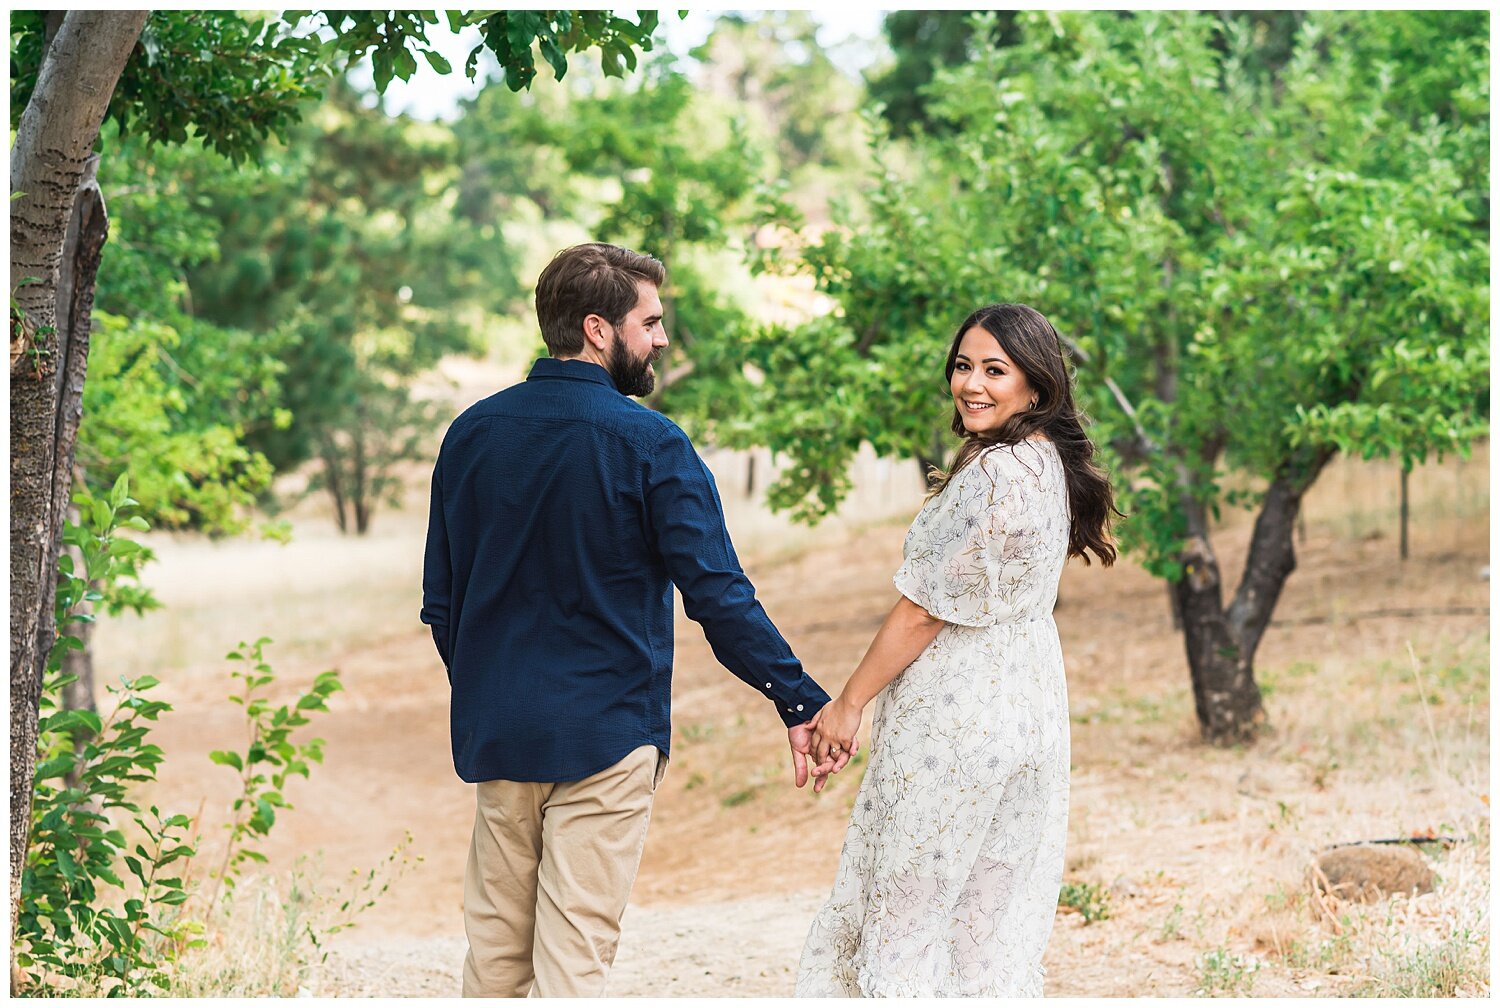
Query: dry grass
[(269, 937), (262, 946), (1380, 730)]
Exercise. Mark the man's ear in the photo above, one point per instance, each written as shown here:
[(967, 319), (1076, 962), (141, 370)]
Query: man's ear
[(595, 328)]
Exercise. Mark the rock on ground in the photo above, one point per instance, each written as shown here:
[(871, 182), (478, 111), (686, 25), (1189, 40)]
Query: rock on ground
[(1367, 873)]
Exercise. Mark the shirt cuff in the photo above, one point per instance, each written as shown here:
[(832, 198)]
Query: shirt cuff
[(800, 708)]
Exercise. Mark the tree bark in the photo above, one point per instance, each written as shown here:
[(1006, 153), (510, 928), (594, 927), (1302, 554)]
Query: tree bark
[(1405, 509), (361, 476), (48, 351), (79, 694), (334, 478), (1224, 690), (1221, 642), (1272, 556)]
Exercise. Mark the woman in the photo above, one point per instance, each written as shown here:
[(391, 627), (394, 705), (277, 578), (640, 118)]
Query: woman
[(950, 871)]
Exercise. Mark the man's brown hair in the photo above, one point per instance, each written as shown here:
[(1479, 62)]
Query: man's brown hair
[(589, 279)]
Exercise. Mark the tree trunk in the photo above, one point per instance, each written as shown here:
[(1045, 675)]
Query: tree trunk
[(79, 664), (48, 353), (1224, 690), (1221, 643), (79, 694), (928, 462), (328, 451), (1405, 509), (362, 478)]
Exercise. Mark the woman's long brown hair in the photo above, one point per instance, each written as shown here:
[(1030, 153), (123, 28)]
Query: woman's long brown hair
[(1031, 343)]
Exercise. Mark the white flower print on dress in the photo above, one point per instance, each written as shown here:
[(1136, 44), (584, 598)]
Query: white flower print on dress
[(950, 871)]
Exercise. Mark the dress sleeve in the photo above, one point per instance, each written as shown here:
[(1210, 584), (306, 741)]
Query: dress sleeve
[(968, 561)]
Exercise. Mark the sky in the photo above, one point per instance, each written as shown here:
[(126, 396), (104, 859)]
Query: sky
[(430, 95)]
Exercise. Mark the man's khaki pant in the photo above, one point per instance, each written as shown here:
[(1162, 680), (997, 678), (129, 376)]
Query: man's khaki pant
[(550, 870)]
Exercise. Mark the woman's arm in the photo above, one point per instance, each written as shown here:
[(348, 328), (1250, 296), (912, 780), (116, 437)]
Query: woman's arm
[(907, 630)]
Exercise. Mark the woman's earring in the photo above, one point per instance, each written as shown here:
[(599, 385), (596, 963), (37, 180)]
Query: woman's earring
[(1033, 404)]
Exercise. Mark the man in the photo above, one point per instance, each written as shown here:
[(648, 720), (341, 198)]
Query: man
[(562, 514)]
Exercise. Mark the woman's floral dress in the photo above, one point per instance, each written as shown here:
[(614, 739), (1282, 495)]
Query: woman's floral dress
[(949, 876)]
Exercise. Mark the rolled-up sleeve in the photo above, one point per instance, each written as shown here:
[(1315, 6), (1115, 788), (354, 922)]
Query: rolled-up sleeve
[(686, 523)]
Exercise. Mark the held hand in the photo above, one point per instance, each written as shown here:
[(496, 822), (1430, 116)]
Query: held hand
[(800, 737), (835, 735)]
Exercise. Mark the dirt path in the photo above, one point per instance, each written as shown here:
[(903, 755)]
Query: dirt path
[(1190, 846)]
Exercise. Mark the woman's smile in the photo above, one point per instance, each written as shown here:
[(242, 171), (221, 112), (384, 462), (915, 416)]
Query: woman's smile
[(987, 387)]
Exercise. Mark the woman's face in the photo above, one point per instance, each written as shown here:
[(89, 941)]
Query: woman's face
[(987, 388)]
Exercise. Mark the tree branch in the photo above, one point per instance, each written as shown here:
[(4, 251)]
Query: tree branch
[(1272, 557), (1147, 445)]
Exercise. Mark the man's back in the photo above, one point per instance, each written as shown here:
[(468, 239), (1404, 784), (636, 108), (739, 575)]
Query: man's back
[(562, 513)]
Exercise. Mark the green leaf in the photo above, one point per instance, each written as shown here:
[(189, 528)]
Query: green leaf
[(224, 757), (438, 62), (554, 56), (384, 67), (124, 547), (56, 767), (120, 492), (404, 63)]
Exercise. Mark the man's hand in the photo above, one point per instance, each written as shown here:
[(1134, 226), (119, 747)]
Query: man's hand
[(799, 737)]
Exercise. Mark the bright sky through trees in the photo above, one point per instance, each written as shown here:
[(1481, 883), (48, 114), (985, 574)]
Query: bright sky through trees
[(429, 95)]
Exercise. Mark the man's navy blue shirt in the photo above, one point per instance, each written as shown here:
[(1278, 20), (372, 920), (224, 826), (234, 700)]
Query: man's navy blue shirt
[(562, 514)]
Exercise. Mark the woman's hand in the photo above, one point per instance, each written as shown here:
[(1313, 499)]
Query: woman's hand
[(835, 731)]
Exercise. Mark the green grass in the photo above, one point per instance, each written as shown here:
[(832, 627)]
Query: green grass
[(1088, 898), (739, 797), (1221, 971)]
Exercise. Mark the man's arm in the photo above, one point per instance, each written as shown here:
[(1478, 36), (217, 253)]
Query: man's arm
[(687, 526), (437, 573)]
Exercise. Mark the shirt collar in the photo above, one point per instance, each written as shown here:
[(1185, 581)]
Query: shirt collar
[(578, 370)]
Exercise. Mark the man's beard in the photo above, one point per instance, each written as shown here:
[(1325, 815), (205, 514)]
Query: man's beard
[(632, 375)]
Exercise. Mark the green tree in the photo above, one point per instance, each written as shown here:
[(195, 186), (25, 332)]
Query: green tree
[(682, 171), (350, 249), (1254, 272), (922, 43), (925, 42), (172, 397), (771, 66)]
